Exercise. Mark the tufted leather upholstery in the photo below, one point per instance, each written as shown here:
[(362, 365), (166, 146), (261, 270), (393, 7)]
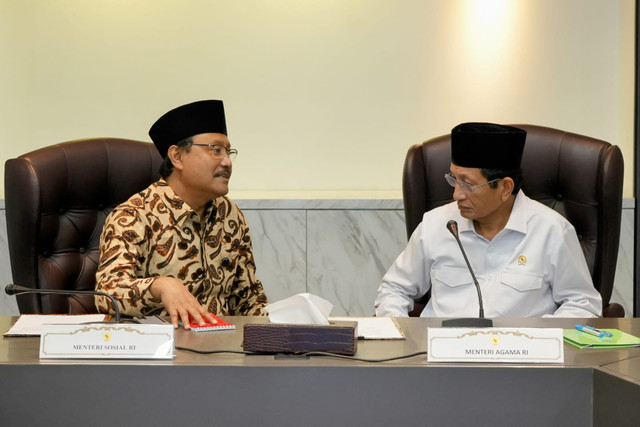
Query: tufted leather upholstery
[(57, 199), (578, 176)]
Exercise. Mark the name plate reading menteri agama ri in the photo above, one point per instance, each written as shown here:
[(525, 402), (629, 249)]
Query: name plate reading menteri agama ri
[(107, 341), (495, 345)]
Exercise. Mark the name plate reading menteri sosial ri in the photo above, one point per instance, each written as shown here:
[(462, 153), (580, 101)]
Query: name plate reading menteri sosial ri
[(107, 341), (501, 345)]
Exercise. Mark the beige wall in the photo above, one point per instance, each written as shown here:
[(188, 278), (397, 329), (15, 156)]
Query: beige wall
[(323, 97)]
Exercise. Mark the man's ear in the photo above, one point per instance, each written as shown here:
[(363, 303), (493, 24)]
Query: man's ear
[(507, 187), (175, 155)]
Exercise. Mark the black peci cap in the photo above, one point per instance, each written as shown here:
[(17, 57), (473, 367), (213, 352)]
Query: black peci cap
[(487, 145), (186, 121)]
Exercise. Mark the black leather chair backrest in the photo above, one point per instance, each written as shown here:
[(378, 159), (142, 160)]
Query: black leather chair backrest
[(578, 176), (57, 199)]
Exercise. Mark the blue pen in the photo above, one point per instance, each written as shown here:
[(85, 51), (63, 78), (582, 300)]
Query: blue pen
[(600, 331), (589, 331)]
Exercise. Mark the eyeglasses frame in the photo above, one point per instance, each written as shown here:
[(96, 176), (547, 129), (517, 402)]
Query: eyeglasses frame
[(231, 153), (466, 187)]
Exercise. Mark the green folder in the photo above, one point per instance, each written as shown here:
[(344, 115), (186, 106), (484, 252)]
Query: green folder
[(584, 340)]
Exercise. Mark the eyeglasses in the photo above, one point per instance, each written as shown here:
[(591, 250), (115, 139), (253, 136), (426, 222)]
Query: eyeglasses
[(220, 151), (466, 187)]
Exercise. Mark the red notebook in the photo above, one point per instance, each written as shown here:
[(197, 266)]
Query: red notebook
[(221, 325)]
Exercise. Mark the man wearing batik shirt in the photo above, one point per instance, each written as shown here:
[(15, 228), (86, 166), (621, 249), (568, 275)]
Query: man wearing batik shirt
[(181, 247)]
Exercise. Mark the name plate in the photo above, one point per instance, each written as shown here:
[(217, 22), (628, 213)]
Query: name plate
[(107, 341), (502, 345)]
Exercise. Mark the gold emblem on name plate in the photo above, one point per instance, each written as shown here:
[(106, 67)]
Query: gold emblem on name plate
[(495, 340), (522, 260), (107, 336)]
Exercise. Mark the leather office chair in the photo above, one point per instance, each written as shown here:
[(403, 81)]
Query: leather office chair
[(57, 199), (578, 176)]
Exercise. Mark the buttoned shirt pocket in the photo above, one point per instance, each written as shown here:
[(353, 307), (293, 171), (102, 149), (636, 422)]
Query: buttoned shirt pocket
[(519, 291), (453, 291)]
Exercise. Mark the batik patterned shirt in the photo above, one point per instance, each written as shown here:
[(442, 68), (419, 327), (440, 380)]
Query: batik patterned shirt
[(156, 234)]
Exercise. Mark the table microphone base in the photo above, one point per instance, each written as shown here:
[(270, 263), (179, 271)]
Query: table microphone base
[(473, 322)]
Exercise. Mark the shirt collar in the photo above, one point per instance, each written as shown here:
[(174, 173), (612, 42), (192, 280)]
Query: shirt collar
[(178, 208), (517, 221)]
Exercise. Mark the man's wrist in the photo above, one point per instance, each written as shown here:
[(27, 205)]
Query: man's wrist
[(155, 289)]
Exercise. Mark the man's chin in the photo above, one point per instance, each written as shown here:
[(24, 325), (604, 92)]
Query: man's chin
[(221, 190), (466, 214)]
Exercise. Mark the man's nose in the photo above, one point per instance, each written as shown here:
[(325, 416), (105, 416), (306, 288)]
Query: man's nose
[(458, 193)]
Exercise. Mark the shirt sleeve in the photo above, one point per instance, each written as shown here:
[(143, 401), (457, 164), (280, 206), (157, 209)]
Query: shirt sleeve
[(406, 279), (121, 253), (573, 288), (247, 296)]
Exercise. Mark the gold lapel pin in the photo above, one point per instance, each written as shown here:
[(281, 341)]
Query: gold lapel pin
[(522, 260)]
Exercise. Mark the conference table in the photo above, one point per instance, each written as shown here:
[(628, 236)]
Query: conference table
[(599, 387)]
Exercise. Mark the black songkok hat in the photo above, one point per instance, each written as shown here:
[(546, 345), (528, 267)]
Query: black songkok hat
[(186, 121), (487, 146)]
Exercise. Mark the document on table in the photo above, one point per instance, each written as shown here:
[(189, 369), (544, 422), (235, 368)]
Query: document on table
[(618, 339), (31, 324), (375, 328)]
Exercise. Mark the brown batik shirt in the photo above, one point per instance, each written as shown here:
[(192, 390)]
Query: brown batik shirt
[(155, 233)]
